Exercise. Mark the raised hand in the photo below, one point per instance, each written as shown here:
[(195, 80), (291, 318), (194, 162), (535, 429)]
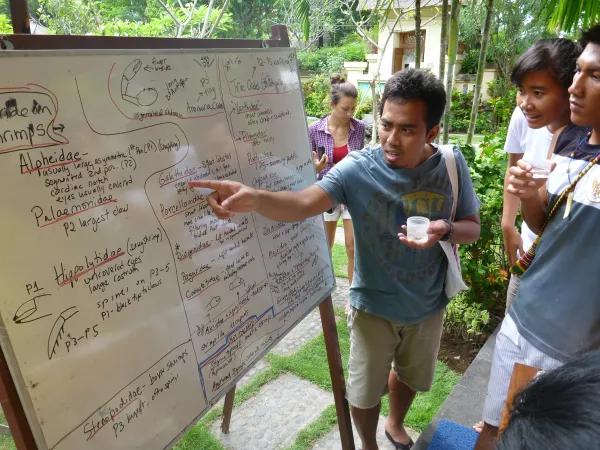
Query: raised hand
[(320, 164), (229, 197), (521, 182)]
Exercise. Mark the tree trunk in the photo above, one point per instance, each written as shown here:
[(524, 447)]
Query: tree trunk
[(417, 34), (480, 70), (375, 112), (452, 49), (444, 40)]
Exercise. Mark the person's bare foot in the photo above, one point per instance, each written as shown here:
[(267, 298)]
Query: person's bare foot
[(347, 308), (478, 426)]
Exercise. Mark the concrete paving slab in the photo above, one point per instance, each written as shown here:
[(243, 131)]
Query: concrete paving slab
[(273, 418), (331, 441)]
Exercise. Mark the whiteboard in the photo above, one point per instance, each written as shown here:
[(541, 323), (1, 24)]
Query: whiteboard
[(128, 307)]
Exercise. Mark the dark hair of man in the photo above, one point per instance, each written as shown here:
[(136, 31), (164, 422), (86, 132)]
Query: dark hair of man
[(591, 36), (412, 84), (557, 56), (558, 410), (341, 88)]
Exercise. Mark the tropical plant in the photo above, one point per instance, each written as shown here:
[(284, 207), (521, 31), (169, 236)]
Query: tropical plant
[(568, 15), (484, 263), (452, 49), (331, 59), (308, 21), (480, 69), (417, 34), (132, 18), (316, 92), (70, 16), (443, 39), (5, 25), (516, 25), (252, 18)]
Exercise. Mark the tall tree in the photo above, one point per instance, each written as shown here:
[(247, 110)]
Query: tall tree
[(452, 49), (253, 18), (310, 20), (380, 12), (161, 18), (480, 70), (568, 15), (444, 39), (516, 25), (417, 34)]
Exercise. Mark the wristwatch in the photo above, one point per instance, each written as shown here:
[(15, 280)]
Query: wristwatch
[(448, 235)]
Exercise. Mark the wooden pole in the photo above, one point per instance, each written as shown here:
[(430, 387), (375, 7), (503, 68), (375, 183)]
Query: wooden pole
[(19, 12), (336, 371), (227, 410), (13, 410)]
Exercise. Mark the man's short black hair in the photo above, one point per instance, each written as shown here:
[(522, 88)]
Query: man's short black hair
[(412, 84), (591, 36), (557, 56), (558, 410)]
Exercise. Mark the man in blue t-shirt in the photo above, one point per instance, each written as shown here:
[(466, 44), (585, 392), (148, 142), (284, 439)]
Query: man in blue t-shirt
[(397, 296)]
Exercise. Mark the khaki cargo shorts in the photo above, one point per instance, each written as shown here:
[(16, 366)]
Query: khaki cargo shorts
[(376, 344)]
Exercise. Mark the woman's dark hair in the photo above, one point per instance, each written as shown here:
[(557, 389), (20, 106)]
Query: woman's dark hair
[(557, 56), (560, 409), (412, 84), (341, 88), (591, 36)]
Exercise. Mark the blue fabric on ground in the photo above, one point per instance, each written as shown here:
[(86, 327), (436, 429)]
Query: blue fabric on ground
[(452, 436)]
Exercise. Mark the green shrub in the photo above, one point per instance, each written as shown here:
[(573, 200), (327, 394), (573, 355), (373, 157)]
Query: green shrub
[(5, 24), (331, 59), (466, 320), (470, 63), (460, 111), (484, 264), (493, 114), (503, 106), (364, 105), (316, 95)]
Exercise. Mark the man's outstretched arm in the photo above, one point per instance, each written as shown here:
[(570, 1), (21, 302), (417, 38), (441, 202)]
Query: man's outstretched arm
[(230, 197)]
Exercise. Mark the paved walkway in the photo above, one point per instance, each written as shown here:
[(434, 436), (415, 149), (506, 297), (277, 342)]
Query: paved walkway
[(283, 407)]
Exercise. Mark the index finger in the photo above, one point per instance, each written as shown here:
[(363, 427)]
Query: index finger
[(524, 165), (210, 184), (519, 172)]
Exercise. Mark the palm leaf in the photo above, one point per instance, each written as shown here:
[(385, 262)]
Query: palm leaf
[(303, 17), (566, 15)]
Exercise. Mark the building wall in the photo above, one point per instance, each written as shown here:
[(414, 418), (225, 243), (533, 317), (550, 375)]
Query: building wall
[(432, 40)]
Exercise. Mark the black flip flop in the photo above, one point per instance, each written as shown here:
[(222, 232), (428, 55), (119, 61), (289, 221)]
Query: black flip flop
[(398, 445)]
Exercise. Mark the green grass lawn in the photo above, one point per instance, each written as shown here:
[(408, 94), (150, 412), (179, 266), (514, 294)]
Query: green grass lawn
[(462, 138), (6, 442), (340, 260)]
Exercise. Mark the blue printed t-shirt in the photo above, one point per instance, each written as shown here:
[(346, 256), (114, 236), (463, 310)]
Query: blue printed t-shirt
[(391, 280)]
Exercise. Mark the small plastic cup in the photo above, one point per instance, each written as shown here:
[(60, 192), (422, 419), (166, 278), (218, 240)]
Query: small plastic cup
[(416, 228), (540, 168)]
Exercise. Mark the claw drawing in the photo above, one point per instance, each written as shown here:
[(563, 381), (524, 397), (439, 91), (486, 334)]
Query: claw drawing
[(58, 330)]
